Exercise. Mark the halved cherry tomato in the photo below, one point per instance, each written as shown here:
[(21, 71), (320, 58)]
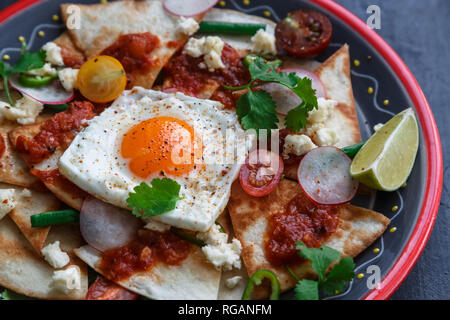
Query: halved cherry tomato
[(261, 172), (103, 289), (101, 79), (304, 33)]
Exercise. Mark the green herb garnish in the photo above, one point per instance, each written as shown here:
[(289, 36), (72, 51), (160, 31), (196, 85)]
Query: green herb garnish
[(148, 201), (256, 109), (335, 281), (27, 61)]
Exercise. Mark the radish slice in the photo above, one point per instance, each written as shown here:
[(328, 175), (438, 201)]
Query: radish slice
[(188, 8), (287, 100), (105, 226), (324, 175), (52, 93)]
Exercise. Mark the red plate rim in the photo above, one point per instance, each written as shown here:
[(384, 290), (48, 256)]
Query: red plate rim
[(430, 207)]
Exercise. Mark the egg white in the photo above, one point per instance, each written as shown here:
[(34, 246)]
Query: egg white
[(94, 163)]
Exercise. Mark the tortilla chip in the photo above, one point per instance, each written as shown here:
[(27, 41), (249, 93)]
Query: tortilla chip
[(358, 229), (72, 57), (102, 24), (23, 271), (62, 188), (29, 203), (194, 279), (335, 75), (13, 168)]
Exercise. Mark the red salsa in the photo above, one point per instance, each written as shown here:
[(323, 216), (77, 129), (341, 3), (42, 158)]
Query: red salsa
[(103, 289), (54, 177), (187, 75), (57, 131), (2, 146), (134, 51), (142, 254), (302, 220)]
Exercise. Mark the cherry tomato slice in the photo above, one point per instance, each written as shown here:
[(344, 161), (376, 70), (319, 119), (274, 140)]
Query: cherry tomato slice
[(261, 173), (103, 289), (101, 79), (304, 33)]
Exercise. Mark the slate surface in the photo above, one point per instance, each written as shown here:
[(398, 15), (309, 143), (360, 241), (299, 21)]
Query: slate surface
[(419, 30)]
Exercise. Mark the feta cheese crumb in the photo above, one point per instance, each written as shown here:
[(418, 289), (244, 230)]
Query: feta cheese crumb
[(67, 280), (55, 256), (378, 126), (7, 201), (264, 42), (321, 114), (25, 111), (68, 78), (210, 47), (156, 225), (325, 137), (218, 251), (188, 26), (53, 54), (232, 282), (45, 71), (297, 144)]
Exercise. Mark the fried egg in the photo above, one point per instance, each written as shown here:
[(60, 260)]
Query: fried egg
[(148, 134)]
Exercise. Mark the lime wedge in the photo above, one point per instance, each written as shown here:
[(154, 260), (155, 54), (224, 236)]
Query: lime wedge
[(386, 160)]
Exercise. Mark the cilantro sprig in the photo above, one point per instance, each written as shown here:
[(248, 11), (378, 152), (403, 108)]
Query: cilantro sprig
[(321, 258), (27, 61), (256, 108), (161, 197)]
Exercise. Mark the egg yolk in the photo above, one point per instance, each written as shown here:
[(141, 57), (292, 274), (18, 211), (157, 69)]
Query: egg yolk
[(162, 144)]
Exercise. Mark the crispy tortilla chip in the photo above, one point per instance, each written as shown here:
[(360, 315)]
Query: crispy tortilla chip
[(31, 202), (13, 168), (358, 229), (335, 75), (102, 24), (62, 188), (194, 279), (24, 272), (72, 57)]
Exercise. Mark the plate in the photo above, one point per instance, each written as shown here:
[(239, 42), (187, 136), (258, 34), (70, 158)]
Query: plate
[(380, 68)]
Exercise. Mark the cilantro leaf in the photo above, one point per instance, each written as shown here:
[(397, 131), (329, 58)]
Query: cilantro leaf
[(320, 257), (11, 295), (256, 110), (296, 118), (161, 197), (338, 277), (307, 290)]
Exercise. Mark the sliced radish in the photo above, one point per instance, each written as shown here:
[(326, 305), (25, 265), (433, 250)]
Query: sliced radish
[(284, 98), (105, 226), (52, 93), (324, 175), (188, 8)]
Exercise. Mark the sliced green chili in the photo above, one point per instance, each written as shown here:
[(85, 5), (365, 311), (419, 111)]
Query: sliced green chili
[(188, 237), (352, 150), (256, 279), (35, 81), (230, 27), (55, 217), (57, 107), (251, 57)]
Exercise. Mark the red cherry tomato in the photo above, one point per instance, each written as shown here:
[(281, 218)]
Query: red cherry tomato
[(304, 33), (261, 173)]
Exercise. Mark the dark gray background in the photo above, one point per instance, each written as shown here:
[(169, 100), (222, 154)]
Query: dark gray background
[(419, 30)]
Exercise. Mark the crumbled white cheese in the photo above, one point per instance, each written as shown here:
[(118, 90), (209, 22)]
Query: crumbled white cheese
[(67, 280), (55, 256), (156, 225), (188, 26), (210, 47), (218, 251), (24, 112), (320, 115), (45, 71), (378, 126), (325, 137), (7, 201), (297, 144), (264, 42), (232, 282), (53, 54), (68, 78)]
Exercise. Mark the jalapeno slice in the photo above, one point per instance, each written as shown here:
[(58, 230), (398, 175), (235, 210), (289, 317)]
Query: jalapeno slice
[(257, 278), (35, 81)]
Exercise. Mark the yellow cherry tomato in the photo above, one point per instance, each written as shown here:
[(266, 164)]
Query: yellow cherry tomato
[(101, 79)]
